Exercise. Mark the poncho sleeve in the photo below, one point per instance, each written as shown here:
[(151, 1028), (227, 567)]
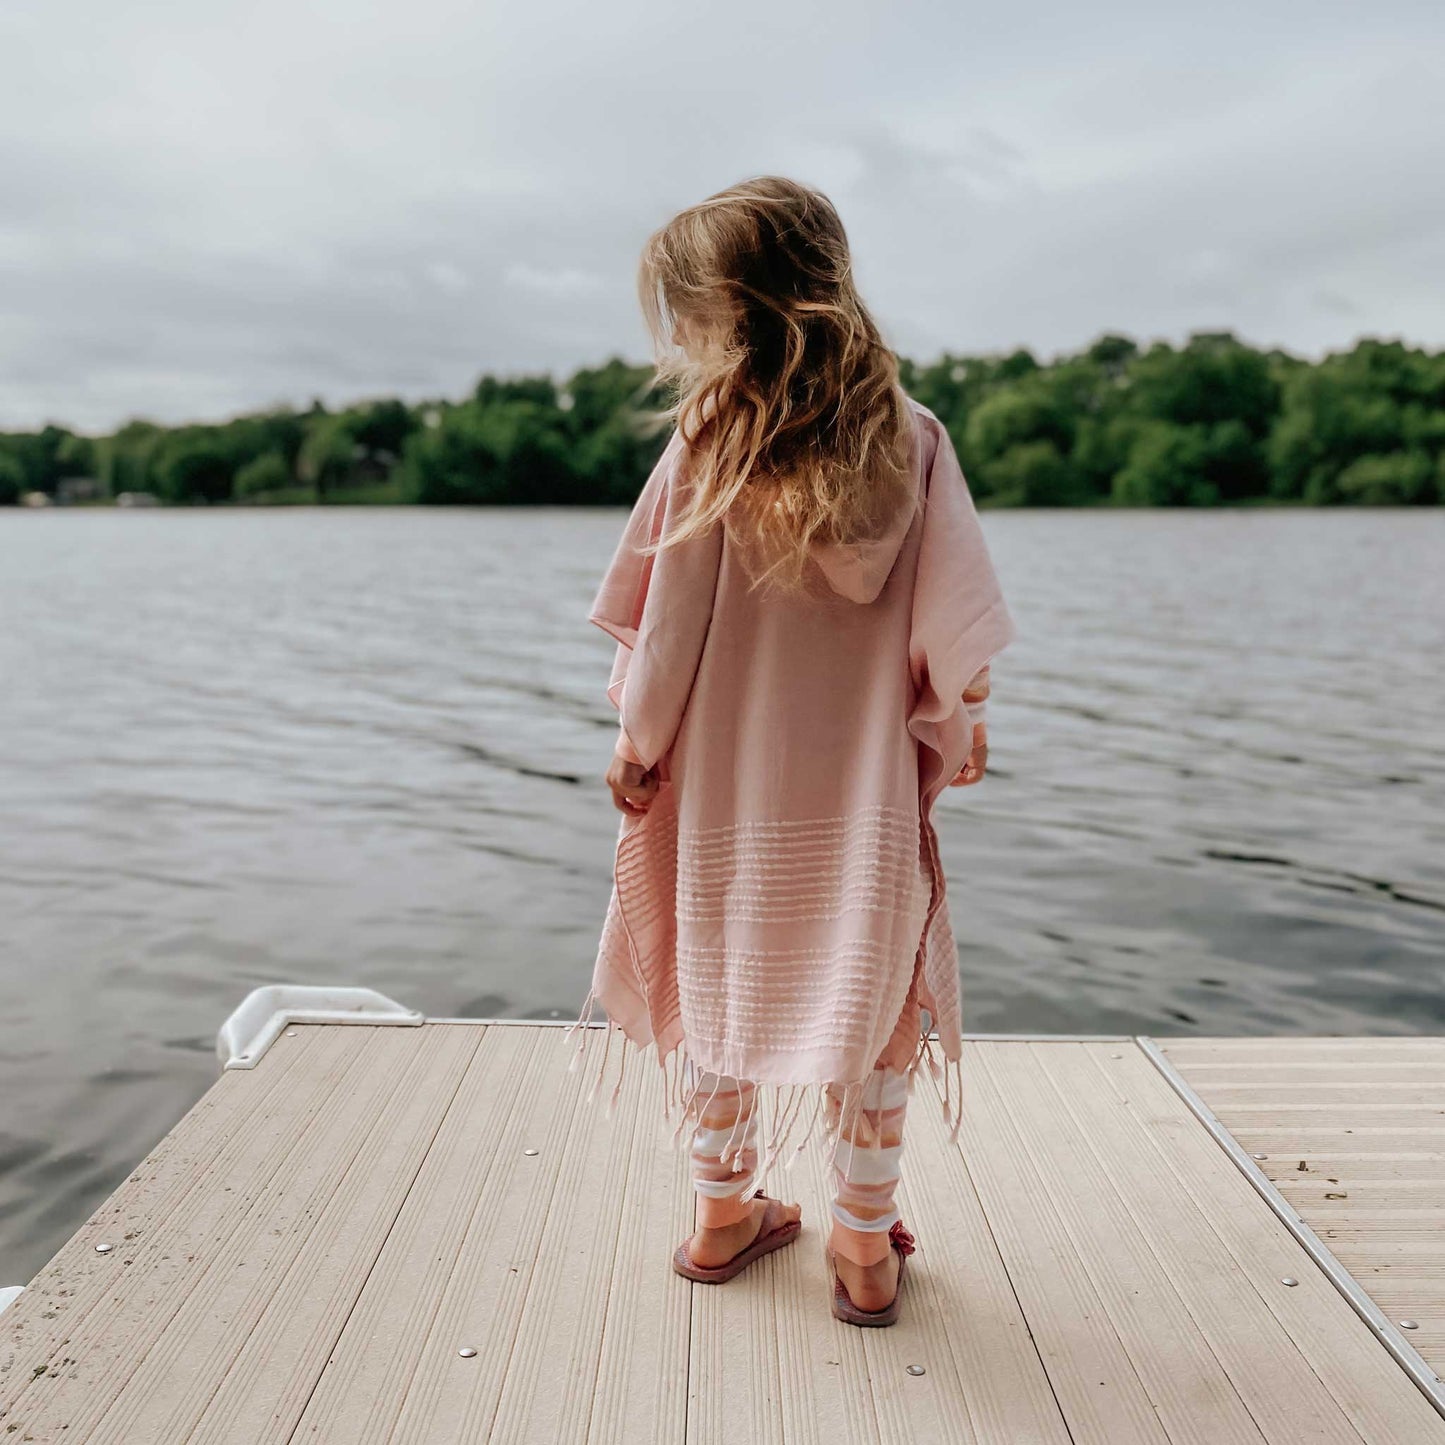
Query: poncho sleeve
[(658, 607), (959, 622)]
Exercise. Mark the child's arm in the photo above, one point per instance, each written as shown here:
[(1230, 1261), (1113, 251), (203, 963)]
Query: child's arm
[(624, 748), (975, 699), (633, 785)]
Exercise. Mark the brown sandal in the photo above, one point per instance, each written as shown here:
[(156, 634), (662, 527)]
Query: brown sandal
[(771, 1236), (843, 1307)]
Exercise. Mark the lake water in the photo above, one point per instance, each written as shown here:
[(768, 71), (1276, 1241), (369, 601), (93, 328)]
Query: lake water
[(366, 747)]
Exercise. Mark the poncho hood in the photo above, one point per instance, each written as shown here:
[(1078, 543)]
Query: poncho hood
[(858, 570)]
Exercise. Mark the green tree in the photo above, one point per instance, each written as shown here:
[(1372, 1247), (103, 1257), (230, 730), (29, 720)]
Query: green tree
[(593, 396), (264, 474), (1033, 474), (12, 479), (193, 469), (539, 391), (1394, 479), (1376, 400), (125, 460), (75, 456), (1213, 379), (1223, 392), (1167, 467), (609, 418), (505, 452), (1014, 415), (1014, 428), (1112, 355), (1102, 444), (327, 454), (38, 457), (383, 426)]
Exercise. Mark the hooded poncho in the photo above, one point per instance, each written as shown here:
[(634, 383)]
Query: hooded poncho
[(778, 913)]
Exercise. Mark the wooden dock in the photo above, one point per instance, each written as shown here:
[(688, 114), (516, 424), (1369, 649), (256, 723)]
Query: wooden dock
[(420, 1235)]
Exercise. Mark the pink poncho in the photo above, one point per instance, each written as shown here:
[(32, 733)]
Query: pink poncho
[(779, 912)]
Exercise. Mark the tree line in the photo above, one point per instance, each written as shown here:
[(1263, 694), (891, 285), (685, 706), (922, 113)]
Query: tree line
[(1213, 422)]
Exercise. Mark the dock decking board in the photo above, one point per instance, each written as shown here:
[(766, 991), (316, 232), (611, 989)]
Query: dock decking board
[(303, 1256), (969, 1313), (1372, 1133), (407, 1305), (1218, 1241), (244, 1349), (1195, 1398), (168, 1219)]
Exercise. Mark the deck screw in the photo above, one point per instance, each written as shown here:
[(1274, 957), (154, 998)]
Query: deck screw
[(1289, 1281), (466, 1352), (1259, 1156), (1409, 1325), (529, 1151), (1116, 1056), (917, 1370), (104, 1248), (290, 1033)]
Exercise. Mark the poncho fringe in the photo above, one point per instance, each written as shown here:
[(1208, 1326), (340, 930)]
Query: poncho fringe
[(784, 1106)]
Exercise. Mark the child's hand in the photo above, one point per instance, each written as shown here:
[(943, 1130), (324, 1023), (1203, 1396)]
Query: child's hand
[(975, 696), (633, 786), (974, 769)]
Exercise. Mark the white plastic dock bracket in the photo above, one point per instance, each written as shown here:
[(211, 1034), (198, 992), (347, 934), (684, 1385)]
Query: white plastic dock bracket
[(264, 1012), (9, 1294)]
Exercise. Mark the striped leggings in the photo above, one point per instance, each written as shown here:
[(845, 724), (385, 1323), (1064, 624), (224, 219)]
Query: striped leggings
[(867, 1147)]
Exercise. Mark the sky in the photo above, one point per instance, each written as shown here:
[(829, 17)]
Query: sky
[(213, 207)]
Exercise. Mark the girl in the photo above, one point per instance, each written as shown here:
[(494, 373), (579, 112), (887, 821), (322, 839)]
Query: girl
[(804, 612)]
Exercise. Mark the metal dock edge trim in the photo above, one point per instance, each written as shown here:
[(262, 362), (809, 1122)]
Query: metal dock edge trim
[(1406, 1355)]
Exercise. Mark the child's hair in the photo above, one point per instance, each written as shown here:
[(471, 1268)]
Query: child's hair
[(795, 427)]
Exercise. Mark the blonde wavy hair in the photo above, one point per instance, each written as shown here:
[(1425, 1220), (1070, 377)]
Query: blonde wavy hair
[(796, 429)]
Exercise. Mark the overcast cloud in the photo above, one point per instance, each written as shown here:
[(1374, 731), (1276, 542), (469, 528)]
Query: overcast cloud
[(210, 207)]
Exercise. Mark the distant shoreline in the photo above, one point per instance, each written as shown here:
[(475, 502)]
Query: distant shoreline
[(986, 505), (1215, 423)]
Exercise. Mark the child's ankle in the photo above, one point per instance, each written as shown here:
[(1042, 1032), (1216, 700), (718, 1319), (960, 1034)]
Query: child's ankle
[(721, 1213), (863, 1247)]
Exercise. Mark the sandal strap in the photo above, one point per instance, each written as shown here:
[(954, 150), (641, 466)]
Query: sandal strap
[(771, 1220), (766, 1225)]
